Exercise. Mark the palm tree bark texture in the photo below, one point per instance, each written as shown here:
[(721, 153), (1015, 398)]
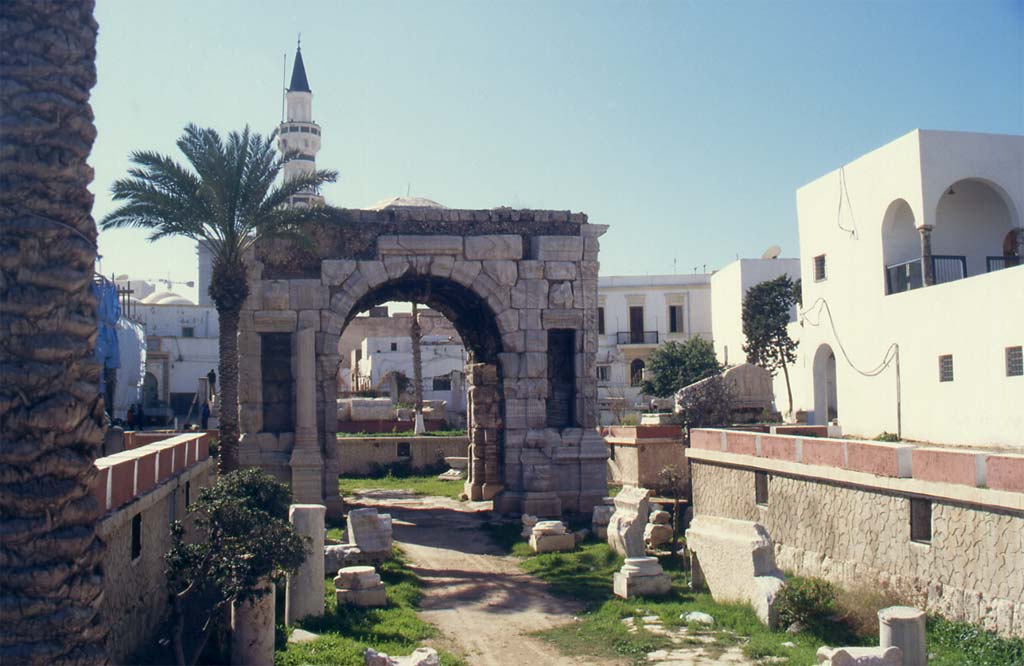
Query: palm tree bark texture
[(51, 413)]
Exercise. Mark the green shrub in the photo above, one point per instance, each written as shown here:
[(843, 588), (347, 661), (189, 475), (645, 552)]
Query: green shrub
[(887, 437), (805, 600)]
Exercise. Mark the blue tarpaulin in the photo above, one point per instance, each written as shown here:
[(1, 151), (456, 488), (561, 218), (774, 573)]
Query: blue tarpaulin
[(108, 311)]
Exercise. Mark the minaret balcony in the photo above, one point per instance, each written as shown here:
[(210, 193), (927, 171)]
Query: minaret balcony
[(293, 127)]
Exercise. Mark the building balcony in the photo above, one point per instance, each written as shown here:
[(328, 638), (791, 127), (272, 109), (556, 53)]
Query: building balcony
[(636, 338), (908, 275)]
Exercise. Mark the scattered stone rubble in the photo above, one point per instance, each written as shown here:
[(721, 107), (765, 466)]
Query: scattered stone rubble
[(601, 517), (359, 586), (640, 574), (658, 531), (369, 541), (860, 656), (551, 535), (692, 647), (736, 559), (420, 657), (901, 638), (528, 523)]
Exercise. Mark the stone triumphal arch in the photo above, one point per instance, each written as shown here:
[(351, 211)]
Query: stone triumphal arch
[(520, 286)]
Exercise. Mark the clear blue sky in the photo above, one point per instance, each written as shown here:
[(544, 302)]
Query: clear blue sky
[(687, 127)]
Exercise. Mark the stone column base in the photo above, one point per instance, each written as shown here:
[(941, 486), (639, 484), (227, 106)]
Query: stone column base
[(641, 576), (307, 476)]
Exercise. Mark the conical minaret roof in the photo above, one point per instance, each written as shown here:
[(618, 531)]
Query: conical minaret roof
[(299, 82)]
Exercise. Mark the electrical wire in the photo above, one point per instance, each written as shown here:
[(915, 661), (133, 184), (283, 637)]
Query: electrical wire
[(891, 353), (845, 193)]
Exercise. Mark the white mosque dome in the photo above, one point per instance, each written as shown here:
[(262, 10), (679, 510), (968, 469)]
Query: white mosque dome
[(405, 202), (156, 296)]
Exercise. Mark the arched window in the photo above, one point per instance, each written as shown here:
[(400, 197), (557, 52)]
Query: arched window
[(636, 372), (150, 389)]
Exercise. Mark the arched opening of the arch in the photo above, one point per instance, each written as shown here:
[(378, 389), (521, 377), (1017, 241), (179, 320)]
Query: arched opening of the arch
[(972, 221), (477, 326), (826, 395), (901, 249)]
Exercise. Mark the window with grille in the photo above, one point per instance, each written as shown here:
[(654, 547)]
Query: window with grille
[(604, 373), (394, 346), (761, 488), (675, 319), (920, 520), (188, 332), (946, 368), (442, 383), (600, 321), (819, 268), (1015, 361)]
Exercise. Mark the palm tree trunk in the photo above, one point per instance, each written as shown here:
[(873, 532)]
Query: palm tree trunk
[(51, 413), (228, 344)]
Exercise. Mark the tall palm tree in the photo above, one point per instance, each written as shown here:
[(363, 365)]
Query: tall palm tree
[(51, 412), (228, 201)]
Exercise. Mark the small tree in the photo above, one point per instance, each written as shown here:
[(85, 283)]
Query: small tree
[(708, 403), (245, 539), (674, 365), (766, 309)]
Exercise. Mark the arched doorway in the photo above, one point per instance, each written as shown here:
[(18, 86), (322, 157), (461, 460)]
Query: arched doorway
[(636, 372), (150, 390), (826, 395)]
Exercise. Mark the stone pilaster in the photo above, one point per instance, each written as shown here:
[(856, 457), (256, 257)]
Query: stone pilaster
[(927, 267), (306, 460)]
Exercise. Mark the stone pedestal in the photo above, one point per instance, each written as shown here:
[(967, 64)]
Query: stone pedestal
[(904, 627), (305, 588), (549, 536), (641, 576), (370, 531), (252, 631), (359, 586), (736, 559)]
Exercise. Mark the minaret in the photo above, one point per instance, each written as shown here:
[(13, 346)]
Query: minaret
[(298, 133)]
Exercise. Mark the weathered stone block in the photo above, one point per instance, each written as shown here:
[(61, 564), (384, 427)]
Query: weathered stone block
[(335, 271), (572, 319), (442, 266), (530, 269), (536, 365), (536, 340), (331, 322), (396, 267), (529, 319), (275, 294), (309, 319), (640, 576), (419, 245), (557, 248), (465, 272), (373, 272), (560, 295), (530, 294), (504, 273), (626, 527), (560, 270), (275, 321), (497, 246), (307, 295)]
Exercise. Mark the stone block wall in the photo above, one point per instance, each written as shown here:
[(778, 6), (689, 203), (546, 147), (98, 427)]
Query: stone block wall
[(638, 454), (853, 527), (505, 278), (135, 600), (359, 455)]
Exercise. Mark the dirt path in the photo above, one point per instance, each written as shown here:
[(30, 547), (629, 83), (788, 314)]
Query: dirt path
[(480, 599)]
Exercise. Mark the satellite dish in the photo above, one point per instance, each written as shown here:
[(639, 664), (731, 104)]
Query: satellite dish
[(772, 252)]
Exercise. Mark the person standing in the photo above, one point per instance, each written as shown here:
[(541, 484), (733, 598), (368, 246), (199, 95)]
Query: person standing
[(211, 383)]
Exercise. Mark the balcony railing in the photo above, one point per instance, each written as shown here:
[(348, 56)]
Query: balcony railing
[(908, 275), (636, 338), (999, 263)]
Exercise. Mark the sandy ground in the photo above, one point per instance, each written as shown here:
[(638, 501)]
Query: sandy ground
[(480, 600)]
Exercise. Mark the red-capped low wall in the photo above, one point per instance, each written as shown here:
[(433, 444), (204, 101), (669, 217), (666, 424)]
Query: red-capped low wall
[(124, 476)]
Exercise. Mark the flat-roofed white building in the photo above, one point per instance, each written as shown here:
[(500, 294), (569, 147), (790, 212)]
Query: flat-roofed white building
[(913, 291)]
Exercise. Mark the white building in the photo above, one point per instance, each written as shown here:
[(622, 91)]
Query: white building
[(441, 358), (913, 296), (728, 289), (181, 348), (636, 314)]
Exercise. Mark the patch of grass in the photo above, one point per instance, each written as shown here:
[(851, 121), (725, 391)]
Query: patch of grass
[(417, 484), (345, 632), (952, 643)]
